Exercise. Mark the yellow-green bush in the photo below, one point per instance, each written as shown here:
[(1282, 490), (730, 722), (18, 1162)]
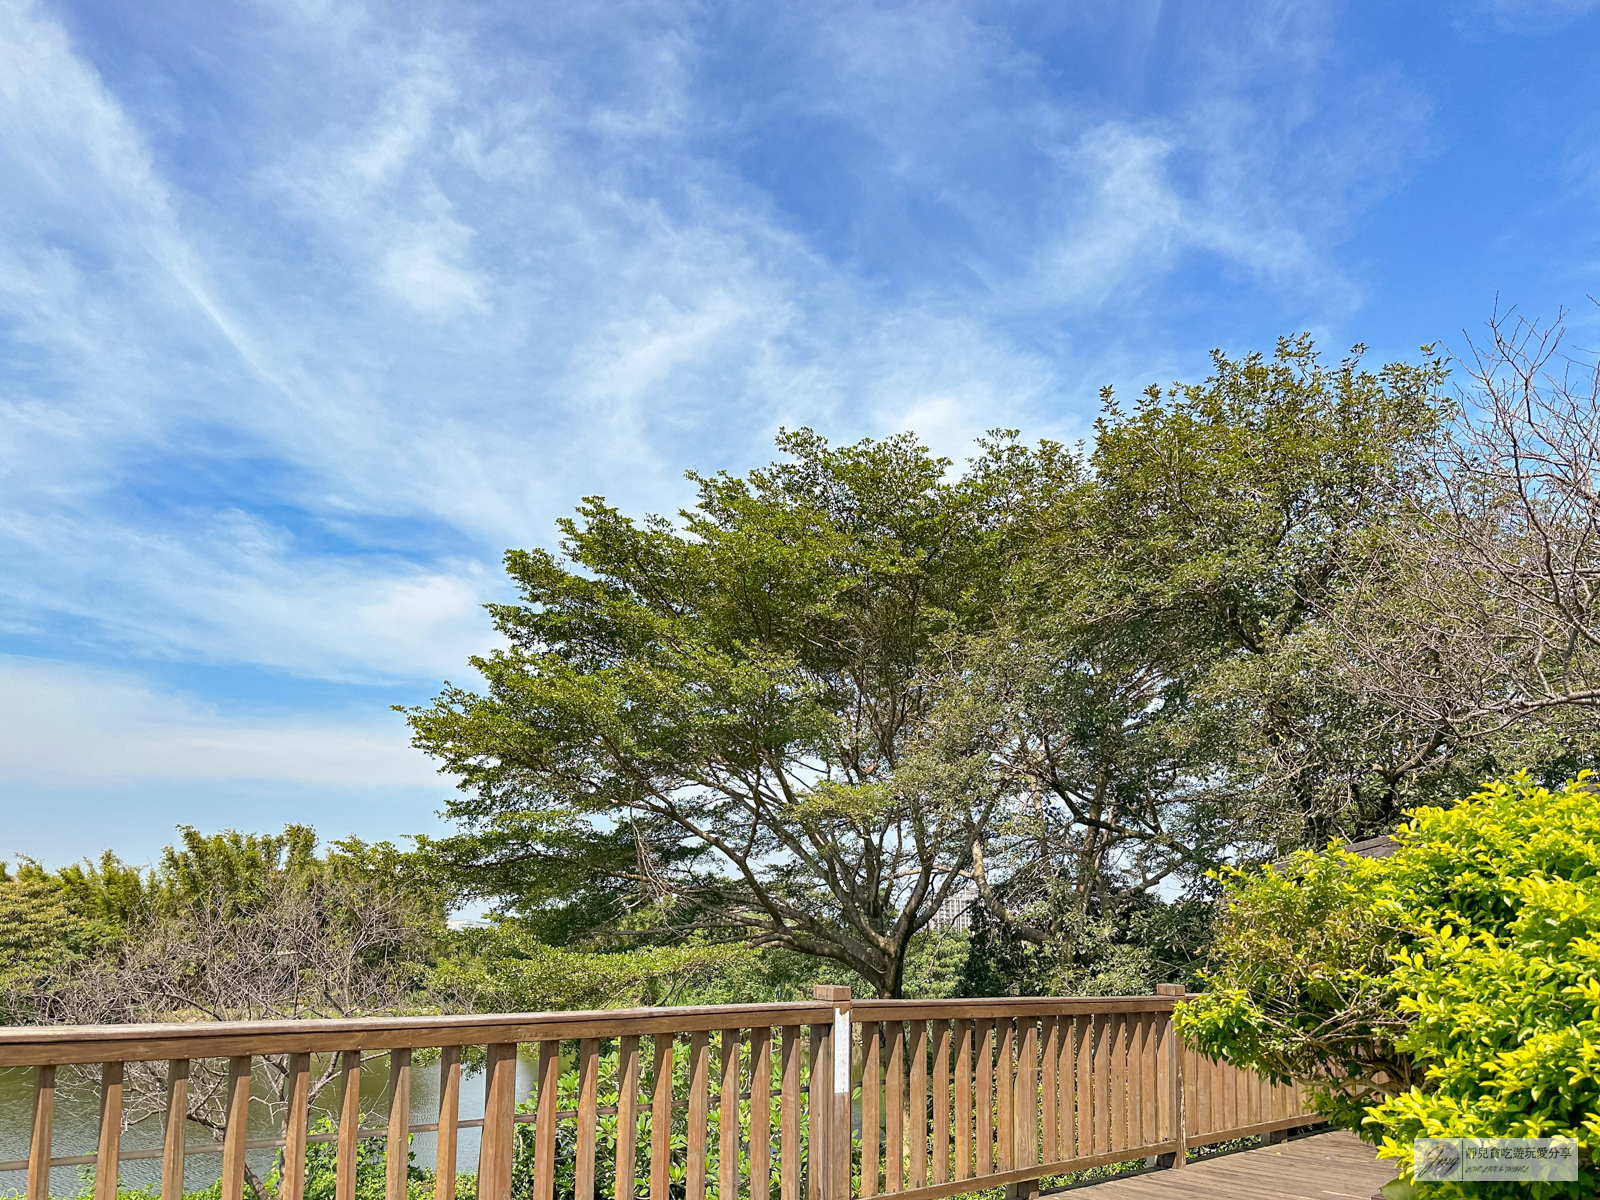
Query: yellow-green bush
[(1450, 990)]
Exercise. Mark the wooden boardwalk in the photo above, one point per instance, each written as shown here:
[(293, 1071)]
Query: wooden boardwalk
[(1325, 1166)]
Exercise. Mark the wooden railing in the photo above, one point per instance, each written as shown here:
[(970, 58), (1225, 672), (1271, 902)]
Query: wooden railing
[(826, 1100)]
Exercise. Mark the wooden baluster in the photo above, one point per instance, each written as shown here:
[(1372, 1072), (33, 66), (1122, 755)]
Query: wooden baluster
[(297, 1102), (894, 1104), (1168, 1054), (1205, 1089), (699, 1087), (1119, 1081), (1149, 1124), (728, 1118), (544, 1129), (983, 1099), (110, 1143), (871, 1100), (1066, 1146), (1051, 1054), (1135, 1026), (444, 1177), (237, 1130), (625, 1182), (1222, 1103), (43, 1133), (661, 1120), (1163, 1078), (963, 1087), (1250, 1104), (819, 1107), (1097, 1106), (1196, 1097), (397, 1140), (1231, 1091), (1180, 1112), (789, 1116), (1112, 1079), (1005, 1126), (588, 1117), (498, 1146), (1066, 1104), (941, 1102), (760, 1114), (917, 1105), (176, 1133), (1083, 1123), (344, 1171), (1025, 1115), (1178, 1056)]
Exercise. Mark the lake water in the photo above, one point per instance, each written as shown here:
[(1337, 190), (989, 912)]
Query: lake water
[(77, 1127)]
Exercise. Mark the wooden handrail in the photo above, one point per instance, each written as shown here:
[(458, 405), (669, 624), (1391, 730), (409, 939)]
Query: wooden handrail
[(59, 1045), (757, 1100)]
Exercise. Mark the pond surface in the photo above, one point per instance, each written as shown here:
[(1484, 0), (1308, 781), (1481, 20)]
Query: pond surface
[(77, 1126)]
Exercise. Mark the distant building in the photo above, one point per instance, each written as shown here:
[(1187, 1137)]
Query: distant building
[(956, 911)]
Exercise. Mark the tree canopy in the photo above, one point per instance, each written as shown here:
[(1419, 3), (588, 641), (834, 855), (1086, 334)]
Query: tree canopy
[(709, 714), (851, 687)]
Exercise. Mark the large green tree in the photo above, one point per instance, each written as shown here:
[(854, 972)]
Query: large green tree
[(1155, 698), (706, 717)]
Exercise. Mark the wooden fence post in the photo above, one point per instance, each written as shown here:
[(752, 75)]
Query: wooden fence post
[(176, 1129), (830, 1136), (44, 1115), (1175, 1074), (497, 1146), (1025, 1109), (110, 1144)]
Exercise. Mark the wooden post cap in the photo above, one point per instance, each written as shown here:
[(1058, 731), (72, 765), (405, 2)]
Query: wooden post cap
[(830, 992), (1170, 989)]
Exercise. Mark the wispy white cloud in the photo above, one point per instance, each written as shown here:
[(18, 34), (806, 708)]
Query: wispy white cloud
[(233, 590), (66, 727), (1530, 16)]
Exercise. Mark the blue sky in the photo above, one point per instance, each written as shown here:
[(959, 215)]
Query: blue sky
[(310, 309)]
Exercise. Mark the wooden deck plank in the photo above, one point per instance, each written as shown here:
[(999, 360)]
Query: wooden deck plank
[(1325, 1166)]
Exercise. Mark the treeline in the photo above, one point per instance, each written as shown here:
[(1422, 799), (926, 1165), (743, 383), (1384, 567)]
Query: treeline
[(862, 716), (225, 926)]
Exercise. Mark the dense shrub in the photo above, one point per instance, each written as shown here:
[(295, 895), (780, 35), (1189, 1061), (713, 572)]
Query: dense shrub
[(1450, 990)]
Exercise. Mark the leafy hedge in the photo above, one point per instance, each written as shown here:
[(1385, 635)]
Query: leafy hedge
[(1450, 990)]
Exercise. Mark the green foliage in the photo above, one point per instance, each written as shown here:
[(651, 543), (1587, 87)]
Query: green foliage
[(507, 968), (1107, 671), (1149, 702), (371, 1171), (1301, 985), (42, 930), (1126, 954), (1223, 520), (704, 718), (1469, 959), (230, 924)]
